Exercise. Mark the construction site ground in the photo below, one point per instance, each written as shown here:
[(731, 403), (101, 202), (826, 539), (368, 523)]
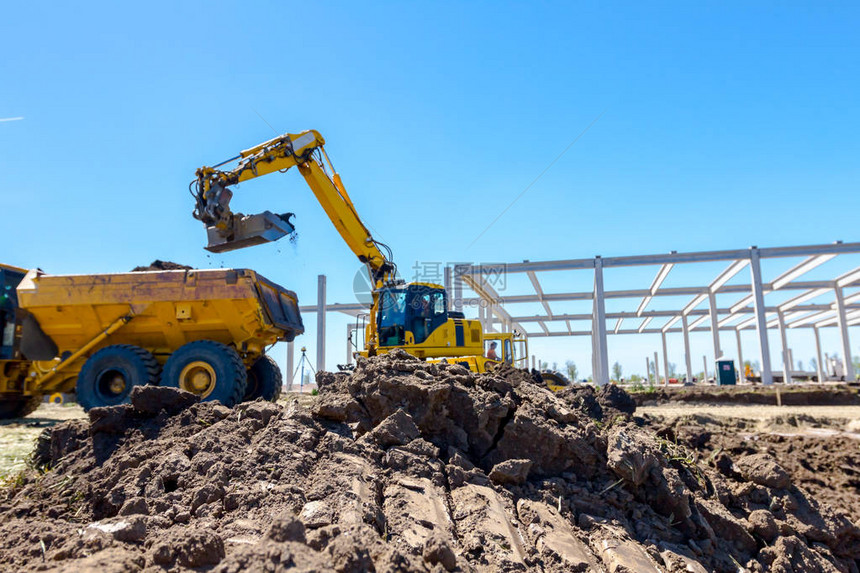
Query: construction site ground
[(408, 466)]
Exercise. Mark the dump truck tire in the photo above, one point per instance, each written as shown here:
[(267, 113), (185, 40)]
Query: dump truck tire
[(212, 370), (19, 407), (264, 380), (109, 375)]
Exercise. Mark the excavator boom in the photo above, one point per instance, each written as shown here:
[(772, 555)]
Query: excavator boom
[(414, 316), (229, 231)]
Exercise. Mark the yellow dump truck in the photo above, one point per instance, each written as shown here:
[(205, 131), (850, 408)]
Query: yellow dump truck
[(205, 331)]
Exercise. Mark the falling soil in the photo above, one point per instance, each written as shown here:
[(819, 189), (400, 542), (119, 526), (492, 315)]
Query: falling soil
[(411, 466), (159, 265)]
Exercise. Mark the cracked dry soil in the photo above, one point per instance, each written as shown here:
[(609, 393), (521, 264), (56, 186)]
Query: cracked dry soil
[(410, 466)]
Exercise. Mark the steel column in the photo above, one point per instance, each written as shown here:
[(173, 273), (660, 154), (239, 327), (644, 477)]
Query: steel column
[(320, 323), (290, 364), (786, 360), (665, 361), (848, 365), (742, 375), (598, 331), (715, 329), (656, 370), (705, 369), (819, 363), (687, 358), (760, 316), (349, 327)]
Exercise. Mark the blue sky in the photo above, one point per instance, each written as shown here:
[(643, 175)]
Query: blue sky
[(720, 126)]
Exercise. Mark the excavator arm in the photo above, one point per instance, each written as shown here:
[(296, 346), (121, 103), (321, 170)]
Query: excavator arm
[(228, 231)]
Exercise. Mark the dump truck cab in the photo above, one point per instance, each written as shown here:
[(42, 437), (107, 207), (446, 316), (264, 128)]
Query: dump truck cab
[(10, 278), (511, 348)]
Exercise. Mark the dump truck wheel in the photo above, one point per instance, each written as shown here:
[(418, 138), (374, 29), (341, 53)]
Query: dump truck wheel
[(264, 380), (19, 407), (212, 370), (109, 375)]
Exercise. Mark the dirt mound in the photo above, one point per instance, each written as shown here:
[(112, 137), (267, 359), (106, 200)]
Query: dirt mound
[(159, 265), (404, 465)]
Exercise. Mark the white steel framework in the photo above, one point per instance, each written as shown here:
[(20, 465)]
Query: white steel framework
[(750, 311)]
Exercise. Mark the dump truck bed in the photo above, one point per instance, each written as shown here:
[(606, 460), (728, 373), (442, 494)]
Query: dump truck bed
[(159, 311)]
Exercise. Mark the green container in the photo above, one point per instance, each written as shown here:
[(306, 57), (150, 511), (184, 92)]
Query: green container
[(726, 375)]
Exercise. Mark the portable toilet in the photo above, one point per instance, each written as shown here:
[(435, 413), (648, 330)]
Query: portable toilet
[(725, 370)]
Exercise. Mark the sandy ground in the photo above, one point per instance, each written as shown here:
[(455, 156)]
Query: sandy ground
[(755, 412)]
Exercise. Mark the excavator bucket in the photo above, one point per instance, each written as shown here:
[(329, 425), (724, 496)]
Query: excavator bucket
[(249, 230)]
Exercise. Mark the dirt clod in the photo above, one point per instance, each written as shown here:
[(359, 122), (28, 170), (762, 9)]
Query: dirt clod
[(763, 470), (159, 265), (411, 466)]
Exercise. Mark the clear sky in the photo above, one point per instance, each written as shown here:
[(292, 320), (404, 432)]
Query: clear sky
[(720, 126)]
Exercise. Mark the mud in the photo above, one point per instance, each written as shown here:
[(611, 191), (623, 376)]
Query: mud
[(159, 265), (788, 395), (405, 465), (823, 461)]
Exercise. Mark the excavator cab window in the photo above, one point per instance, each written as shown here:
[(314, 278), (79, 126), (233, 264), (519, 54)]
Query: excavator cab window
[(426, 309), (418, 309), (392, 317)]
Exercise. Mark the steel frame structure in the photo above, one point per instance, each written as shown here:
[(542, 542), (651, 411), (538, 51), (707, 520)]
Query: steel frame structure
[(750, 311)]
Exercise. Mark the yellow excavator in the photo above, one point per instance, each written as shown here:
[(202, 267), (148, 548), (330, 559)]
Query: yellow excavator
[(414, 317)]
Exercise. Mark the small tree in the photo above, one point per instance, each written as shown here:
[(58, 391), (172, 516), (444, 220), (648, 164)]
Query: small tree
[(572, 370), (673, 373), (813, 364), (555, 366), (617, 371)]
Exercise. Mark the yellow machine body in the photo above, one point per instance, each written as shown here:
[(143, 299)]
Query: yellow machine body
[(513, 349)]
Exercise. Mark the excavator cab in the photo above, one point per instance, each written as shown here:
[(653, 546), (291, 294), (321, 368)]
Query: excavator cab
[(408, 314)]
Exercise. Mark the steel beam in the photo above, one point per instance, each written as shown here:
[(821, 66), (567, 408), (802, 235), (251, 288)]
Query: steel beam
[(674, 258), (760, 316), (539, 291)]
